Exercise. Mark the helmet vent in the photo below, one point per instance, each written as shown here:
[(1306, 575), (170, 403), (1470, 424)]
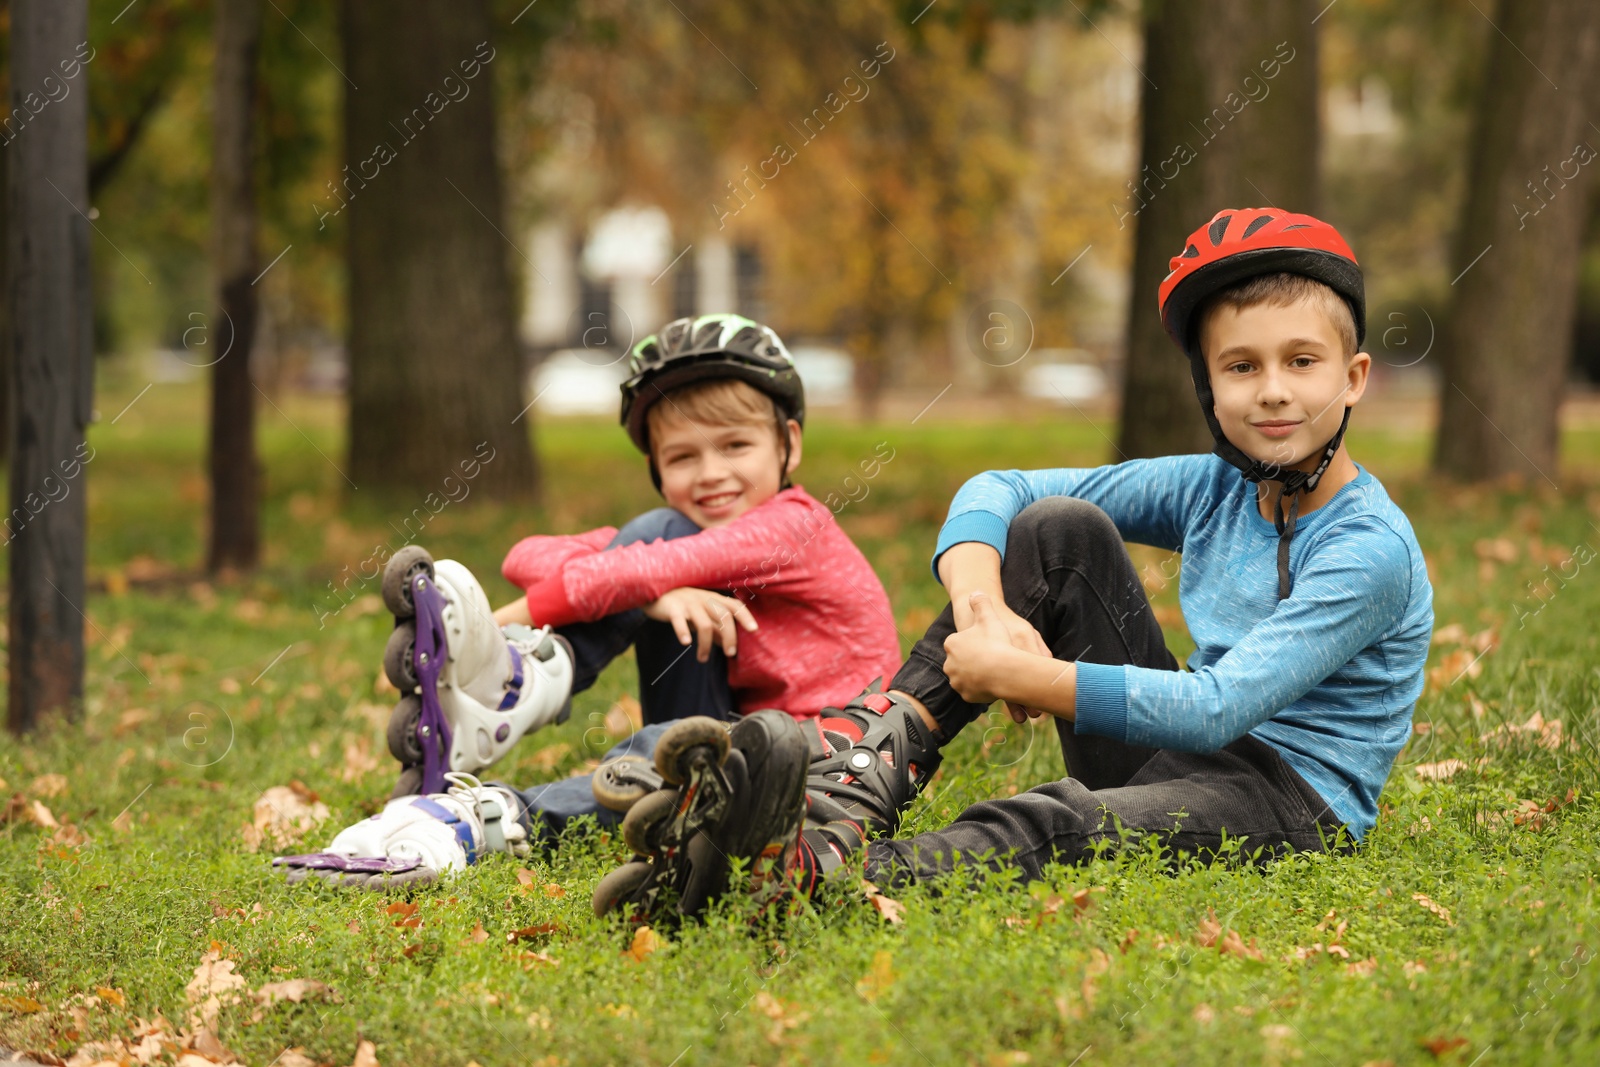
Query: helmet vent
[(1256, 224), (1296, 226), (1191, 252), (1218, 227)]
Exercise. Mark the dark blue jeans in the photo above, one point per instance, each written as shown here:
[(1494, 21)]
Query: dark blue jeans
[(673, 684)]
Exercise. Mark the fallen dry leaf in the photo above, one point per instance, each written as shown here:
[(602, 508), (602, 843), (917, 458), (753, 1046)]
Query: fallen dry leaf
[(213, 985), (21, 1005), (131, 720), (359, 760), (295, 990), (531, 960), (1442, 771), (1232, 944), (1441, 1045), (1545, 733), (1099, 963), (547, 758), (366, 1055), (1208, 931), (20, 809), (877, 981), (1498, 549), (783, 1017), (478, 936), (1453, 665), (283, 815), (49, 786), (295, 1057), (891, 910), (1438, 909), (645, 942), (111, 996), (624, 718), (528, 932), (525, 876)]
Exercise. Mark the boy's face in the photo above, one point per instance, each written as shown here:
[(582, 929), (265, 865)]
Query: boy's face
[(713, 473), (1280, 379)]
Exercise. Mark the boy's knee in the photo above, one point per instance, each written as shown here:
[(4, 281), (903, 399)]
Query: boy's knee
[(1065, 517), (658, 524)]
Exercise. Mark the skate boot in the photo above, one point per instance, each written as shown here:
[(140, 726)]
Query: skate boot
[(732, 794), (470, 689), (878, 753), (416, 839)]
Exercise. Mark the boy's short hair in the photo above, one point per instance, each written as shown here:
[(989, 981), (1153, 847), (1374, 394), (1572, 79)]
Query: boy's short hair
[(720, 402), (1280, 290)]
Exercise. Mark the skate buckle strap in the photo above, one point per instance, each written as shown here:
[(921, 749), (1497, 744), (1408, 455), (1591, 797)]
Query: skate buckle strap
[(463, 832), (494, 836), (432, 728), (513, 687)]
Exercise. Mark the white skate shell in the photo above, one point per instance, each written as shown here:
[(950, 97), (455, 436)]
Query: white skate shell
[(418, 838), (487, 708)]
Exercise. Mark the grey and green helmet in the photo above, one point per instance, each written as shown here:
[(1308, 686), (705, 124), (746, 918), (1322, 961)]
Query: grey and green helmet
[(702, 348)]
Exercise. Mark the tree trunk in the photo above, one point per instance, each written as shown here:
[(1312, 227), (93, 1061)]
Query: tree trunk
[(1508, 341), (435, 372), (235, 526), (51, 318), (1228, 119)]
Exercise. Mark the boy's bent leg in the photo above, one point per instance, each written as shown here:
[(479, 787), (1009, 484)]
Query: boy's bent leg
[(1067, 571), (1189, 801), (671, 682)]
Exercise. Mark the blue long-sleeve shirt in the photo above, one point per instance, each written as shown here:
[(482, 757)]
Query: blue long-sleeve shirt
[(1329, 676)]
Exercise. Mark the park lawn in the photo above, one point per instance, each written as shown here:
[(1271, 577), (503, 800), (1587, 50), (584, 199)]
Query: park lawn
[(1461, 932)]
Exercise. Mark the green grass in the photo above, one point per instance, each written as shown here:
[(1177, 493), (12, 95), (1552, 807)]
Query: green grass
[(201, 696)]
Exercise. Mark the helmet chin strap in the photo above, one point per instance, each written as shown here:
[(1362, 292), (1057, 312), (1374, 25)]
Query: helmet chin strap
[(1292, 482)]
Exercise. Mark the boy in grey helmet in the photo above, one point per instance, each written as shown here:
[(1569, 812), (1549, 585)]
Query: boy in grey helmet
[(741, 568)]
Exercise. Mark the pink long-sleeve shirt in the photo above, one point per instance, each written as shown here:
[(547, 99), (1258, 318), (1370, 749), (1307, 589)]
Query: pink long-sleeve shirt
[(825, 626)]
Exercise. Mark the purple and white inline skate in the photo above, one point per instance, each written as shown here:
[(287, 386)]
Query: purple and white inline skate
[(470, 688)]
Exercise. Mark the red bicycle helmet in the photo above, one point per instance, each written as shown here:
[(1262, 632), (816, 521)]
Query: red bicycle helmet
[(1238, 244)]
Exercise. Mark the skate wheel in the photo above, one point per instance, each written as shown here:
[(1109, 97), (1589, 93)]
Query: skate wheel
[(399, 663), (688, 741), (647, 819), (707, 877), (621, 783), (404, 744), (402, 567), (618, 886), (409, 783)]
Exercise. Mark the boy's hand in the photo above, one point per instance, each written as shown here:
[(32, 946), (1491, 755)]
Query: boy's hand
[(975, 657), (711, 615), (1019, 631)]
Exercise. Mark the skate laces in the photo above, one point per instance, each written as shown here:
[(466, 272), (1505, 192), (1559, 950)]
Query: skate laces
[(502, 829)]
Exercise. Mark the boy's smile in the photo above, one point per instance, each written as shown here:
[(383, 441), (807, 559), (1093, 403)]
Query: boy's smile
[(714, 473), (1279, 379)]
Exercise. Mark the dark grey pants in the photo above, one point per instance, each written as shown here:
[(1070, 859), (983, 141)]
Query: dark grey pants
[(1068, 573)]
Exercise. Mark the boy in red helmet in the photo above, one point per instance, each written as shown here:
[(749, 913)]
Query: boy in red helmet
[(1303, 586)]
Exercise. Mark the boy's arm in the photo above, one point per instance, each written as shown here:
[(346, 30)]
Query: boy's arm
[(533, 559), (1147, 499), (763, 549), (1341, 603)]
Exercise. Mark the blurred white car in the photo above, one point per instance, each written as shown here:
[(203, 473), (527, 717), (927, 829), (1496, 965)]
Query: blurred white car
[(828, 373), (580, 381), (1063, 376)]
